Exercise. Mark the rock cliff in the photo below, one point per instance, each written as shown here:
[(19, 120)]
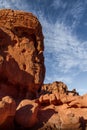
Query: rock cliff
[(25, 102), (21, 52)]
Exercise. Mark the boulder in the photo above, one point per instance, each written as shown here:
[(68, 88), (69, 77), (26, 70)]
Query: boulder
[(26, 113)]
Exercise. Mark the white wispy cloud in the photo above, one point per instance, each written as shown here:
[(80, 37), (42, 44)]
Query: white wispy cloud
[(69, 54), (19, 4), (65, 54), (59, 3), (77, 11), (70, 11)]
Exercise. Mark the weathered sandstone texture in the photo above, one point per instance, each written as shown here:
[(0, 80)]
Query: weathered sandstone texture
[(21, 52), (25, 102), (53, 111)]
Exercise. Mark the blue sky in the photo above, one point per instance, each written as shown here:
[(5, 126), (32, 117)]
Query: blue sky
[(64, 25)]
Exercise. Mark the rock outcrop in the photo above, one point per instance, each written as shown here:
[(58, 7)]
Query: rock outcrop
[(53, 112), (21, 51), (22, 73), (56, 86)]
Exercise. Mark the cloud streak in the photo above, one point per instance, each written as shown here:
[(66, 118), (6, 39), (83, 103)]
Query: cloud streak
[(72, 11), (65, 54), (59, 4), (19, 4)]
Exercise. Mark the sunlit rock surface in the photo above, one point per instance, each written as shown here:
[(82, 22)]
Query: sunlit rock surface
[(21, 53)]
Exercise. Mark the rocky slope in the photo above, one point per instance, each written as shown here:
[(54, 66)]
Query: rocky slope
[(25, 102)]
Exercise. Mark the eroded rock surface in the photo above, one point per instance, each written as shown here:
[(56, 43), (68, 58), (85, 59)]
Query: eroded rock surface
[(21, 51), (54, 111), (58, 87), (22, 74)]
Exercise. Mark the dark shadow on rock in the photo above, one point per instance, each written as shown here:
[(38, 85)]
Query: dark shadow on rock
[(22, 81), (8, 124), (10, 73), (83, 123), (23, 113), (43, 117)]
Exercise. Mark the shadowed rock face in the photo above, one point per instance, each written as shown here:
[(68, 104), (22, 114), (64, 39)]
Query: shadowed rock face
[(21, 51)]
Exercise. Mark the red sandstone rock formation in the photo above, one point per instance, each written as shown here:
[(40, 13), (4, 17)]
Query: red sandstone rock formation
[(57, 110), (21, 51), (50, 113), (22, 73), (57, 86), (46, 115)]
